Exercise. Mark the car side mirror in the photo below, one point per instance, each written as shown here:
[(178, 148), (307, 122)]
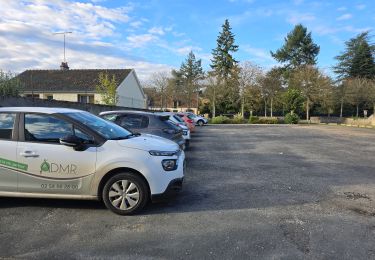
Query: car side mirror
[(71, 141)]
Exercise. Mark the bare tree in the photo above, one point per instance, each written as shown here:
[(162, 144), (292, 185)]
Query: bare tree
[(212, 84), (271, 85), (160, 81), (248, 76)]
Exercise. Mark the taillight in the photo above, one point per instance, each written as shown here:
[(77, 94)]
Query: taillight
[(189, 121)]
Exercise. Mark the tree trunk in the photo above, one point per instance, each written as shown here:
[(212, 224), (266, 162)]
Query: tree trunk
[(341, 107), (308, 110), (214, 104), (265, 108), (242, 105), (357, 110), (373, 112), (271, 107)]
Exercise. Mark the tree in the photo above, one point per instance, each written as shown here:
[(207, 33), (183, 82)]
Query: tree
[(226, 70), (311, 82), (371, 96), (248, 76), (293, 100), (298, 49), (357, 93), (271, 85), (192, 72), (107, 88), (160, 81), (223, 61), (358, 58), (9, 84)]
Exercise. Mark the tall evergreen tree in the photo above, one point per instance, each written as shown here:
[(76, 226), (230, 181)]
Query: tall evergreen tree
[(226, 69), (298, 49), (358, 58), (223, 61), (192, 72)]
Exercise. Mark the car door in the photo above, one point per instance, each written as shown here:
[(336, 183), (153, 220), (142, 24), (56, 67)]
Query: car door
[(53, 167), (9, 166)]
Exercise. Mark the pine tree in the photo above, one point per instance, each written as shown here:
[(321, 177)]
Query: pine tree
[(298, 49), (358, 58), (226, 69), (223, 61), (192, 72)]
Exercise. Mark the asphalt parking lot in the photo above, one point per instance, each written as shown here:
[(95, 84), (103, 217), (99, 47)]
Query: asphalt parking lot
[(271, 192)]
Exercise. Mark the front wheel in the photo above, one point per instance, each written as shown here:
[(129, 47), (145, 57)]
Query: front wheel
[(125, 193), (200, 123)]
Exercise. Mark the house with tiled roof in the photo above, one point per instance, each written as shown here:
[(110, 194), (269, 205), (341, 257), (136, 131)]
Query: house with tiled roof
[(79, 85)]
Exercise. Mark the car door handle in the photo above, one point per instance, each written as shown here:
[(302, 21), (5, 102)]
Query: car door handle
[(29, 154)]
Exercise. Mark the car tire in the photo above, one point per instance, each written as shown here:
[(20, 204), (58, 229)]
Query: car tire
[(125, 193), (200, 123)]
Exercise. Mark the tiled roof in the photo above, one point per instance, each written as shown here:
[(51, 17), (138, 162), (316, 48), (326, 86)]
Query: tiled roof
[(66, 80)]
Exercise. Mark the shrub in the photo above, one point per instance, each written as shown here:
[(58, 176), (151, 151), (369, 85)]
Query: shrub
[(238, 119), (220, 120), (254, 120), (291, 118), (268, 120)]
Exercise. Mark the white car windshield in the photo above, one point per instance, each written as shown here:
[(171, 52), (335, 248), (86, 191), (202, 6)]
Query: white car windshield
[(105, 128)]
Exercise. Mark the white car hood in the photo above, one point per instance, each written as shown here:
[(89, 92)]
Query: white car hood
[(149, 142)]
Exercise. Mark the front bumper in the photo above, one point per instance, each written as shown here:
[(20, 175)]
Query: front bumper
[(174, 187)]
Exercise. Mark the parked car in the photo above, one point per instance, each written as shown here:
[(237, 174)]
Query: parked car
[(199, 120), (146, 123), (189, 122), (180, 123), (72, 154)]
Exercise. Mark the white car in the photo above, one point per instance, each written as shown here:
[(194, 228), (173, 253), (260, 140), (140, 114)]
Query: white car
[(198, 120), (176, 120), (72, 154)]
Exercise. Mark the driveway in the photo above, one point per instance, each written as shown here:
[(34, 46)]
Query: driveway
[(279, 192)]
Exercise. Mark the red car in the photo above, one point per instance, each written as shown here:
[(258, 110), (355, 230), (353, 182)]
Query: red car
[(189, 122)]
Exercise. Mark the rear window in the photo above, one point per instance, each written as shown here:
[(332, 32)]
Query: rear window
[(6, 125), (133, 121), (171, 125)]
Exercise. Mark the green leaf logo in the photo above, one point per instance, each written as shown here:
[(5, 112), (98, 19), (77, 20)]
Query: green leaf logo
[(44, 167)]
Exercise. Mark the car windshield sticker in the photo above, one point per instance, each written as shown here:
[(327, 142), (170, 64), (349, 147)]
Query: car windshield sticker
[(13, 164)]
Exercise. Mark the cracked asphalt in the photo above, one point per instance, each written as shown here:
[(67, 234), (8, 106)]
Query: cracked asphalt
[(264, 192)]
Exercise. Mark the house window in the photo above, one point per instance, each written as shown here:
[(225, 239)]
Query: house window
[(86, 99)]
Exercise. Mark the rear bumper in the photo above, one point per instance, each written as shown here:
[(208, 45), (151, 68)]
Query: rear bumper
[(172, 190)]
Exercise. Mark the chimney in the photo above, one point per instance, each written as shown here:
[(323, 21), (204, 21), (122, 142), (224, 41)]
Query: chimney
[(64, 66)]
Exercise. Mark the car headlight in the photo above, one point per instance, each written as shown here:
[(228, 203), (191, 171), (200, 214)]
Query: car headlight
[(169, 164), (163, 153)]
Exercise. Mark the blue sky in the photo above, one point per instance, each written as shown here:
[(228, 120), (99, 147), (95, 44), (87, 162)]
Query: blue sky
[(153, 36)]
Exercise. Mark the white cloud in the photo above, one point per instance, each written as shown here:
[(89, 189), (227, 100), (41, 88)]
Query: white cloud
[(361, 6), (156, 30), (295, 18), (298, 2), (27, 41), (258, 53), (141, 40), (344, 17), (342, 8)]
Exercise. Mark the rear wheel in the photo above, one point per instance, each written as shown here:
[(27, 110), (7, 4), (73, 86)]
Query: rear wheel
[(200, 123), (125, 193)]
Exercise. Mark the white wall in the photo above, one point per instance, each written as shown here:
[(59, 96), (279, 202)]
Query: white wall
[(130, 92)]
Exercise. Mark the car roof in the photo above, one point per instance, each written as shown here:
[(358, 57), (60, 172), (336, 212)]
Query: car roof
[(127, 111), (45, 110)]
